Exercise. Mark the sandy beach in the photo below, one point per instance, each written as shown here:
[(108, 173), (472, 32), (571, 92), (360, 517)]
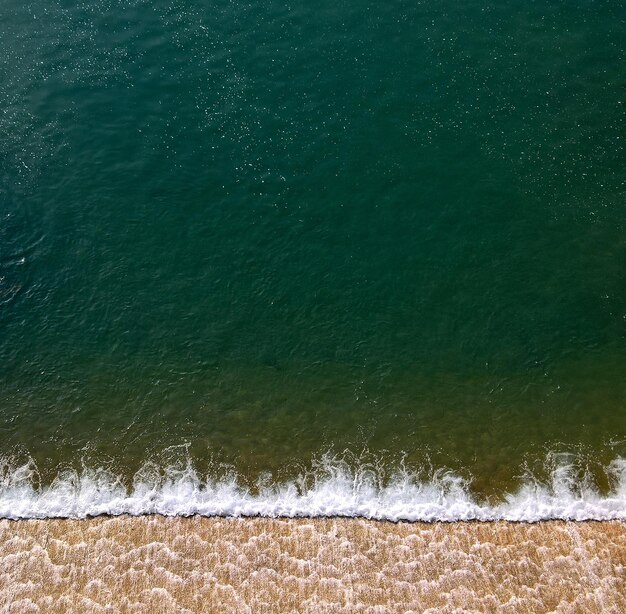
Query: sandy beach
[(161, 564)]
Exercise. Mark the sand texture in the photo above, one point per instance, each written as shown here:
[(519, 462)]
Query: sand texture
[(159, 564)]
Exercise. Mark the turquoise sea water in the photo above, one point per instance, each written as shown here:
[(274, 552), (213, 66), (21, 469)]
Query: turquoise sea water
[(282, 236)]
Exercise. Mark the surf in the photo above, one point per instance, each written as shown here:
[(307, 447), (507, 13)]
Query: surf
[(332, 488)]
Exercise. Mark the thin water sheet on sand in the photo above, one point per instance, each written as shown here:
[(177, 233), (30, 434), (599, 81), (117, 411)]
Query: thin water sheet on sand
[(175, 564)]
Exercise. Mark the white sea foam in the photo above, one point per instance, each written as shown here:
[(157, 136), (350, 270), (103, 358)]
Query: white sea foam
[(334, 489)]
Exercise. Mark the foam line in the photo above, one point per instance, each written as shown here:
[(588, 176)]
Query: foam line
[(334, 490)]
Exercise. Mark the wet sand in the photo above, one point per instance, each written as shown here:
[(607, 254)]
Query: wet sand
[(159, 564)]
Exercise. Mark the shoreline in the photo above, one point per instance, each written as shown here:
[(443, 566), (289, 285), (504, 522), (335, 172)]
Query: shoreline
[(335, 488), (161, 564), (316, 518)]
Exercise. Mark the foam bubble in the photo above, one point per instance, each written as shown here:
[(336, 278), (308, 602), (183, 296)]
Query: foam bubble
[(334, 488)]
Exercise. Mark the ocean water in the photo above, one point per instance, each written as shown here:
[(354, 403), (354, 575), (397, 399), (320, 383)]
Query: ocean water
[(349, 258)]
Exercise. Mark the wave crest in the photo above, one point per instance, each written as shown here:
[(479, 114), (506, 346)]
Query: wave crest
[(332, 488)]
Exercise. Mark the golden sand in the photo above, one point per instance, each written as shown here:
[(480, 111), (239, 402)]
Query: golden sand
[(158, 564)]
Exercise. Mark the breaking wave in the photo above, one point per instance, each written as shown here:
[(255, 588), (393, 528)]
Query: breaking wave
[(333, 488)]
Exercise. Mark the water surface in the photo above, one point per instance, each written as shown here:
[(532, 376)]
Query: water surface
[(255, 234)]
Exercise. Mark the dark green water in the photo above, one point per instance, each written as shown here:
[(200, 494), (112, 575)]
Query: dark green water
[(266, 230)]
